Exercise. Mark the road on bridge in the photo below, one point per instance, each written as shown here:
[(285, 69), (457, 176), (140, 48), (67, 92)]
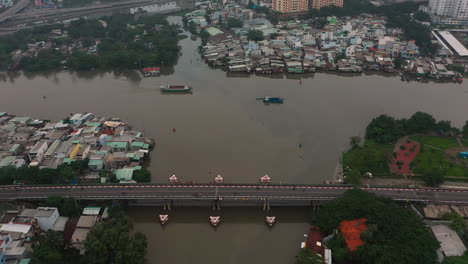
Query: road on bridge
[(225, 192)]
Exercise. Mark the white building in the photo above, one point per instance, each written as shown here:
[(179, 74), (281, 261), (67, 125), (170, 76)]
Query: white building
[(454, 12), (46, 217), (38, 151)]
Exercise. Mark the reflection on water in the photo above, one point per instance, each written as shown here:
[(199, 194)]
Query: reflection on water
[(242, 236)]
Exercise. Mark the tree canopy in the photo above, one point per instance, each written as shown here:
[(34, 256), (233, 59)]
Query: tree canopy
[(307, 256), (458, 223), (66, 206), (142, 175), (65, 173), (125, 41), (255, 35), (234, 23), (51, 249), (386, 129), (433, 177), (114, 242), (397, 234)]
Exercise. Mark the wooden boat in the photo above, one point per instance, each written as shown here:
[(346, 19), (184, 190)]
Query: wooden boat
[(176, 88)]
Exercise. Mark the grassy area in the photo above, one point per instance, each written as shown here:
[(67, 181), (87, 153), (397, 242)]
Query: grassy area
[(430, 158), (438, 142), (465, 142), (372, 157), (456, 260)]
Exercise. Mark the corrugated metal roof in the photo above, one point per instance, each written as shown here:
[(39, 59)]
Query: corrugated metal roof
[(454, 43), (21, 228), (91, 210)]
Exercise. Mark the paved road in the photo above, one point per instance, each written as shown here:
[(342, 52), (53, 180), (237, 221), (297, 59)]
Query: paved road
[(13, 10), (225, 192), (51, 14)]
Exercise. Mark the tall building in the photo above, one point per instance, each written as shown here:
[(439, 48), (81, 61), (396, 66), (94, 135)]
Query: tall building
[(453, 12), (290, 6), (317, 4)]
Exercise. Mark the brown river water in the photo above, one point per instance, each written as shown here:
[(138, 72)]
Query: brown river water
[(222, 129)]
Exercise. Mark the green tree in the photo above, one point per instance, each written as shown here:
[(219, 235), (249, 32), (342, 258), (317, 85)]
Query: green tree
[(465, 130), (112, 242), (274, 35), (433, 177), (234, 23), (354, 141), (444, 126), (421, 122), (51, 248), (384, 129), (457, 260), (353, 177), (255, 35), (66, 173), (458, 223), (421, 16), (7, 175), (307, 256), (142, 175), (66, 206), (399, 236), (88, 42)]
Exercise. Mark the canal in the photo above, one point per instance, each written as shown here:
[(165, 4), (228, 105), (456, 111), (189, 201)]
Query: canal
[(222, 129)]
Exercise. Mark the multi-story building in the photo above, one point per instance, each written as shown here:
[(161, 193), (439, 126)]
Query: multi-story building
[(454, 12), (290, 6), (317, 4)]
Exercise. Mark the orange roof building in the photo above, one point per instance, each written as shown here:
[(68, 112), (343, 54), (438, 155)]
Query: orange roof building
[(352, 230)]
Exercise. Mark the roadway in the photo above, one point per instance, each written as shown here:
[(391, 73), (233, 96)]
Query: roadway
[(20, 5), (225, 192), (53, 14)]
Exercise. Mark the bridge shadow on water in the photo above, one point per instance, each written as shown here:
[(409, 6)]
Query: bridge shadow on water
[(229, 215)]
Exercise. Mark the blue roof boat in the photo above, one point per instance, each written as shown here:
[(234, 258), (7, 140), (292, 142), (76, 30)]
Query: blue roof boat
[(273, 100)]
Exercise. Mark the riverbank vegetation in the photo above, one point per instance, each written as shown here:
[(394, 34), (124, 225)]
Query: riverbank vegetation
[(112, 241), (121, 41), (394, 234), (64, 174), (398, 14), (437, 154)]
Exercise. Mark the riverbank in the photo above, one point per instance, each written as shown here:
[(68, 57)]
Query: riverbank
[(320, 114), (121, 41), (81, 148), (389, 152)]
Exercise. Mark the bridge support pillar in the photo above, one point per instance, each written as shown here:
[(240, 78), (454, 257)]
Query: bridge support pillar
[(266, 205), (167, 205), (216, 205)]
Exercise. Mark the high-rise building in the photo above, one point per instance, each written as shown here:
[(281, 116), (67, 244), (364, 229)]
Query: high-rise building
[(317, 4), (453, 12), (290, 6)]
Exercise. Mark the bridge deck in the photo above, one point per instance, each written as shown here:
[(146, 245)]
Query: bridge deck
[(225, 192)]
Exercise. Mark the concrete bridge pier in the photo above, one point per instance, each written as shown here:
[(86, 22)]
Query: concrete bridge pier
[(167, 205), (217, 205), (314, 204), (266, 205)]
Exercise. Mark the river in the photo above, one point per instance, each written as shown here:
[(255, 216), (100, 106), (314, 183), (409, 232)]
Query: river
[(222, 129)]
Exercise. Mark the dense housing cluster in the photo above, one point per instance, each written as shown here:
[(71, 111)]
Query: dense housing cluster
[(102, 143)]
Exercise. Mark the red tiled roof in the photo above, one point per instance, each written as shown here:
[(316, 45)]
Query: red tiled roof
[(352, 230), (152, 69), (315, 236)]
